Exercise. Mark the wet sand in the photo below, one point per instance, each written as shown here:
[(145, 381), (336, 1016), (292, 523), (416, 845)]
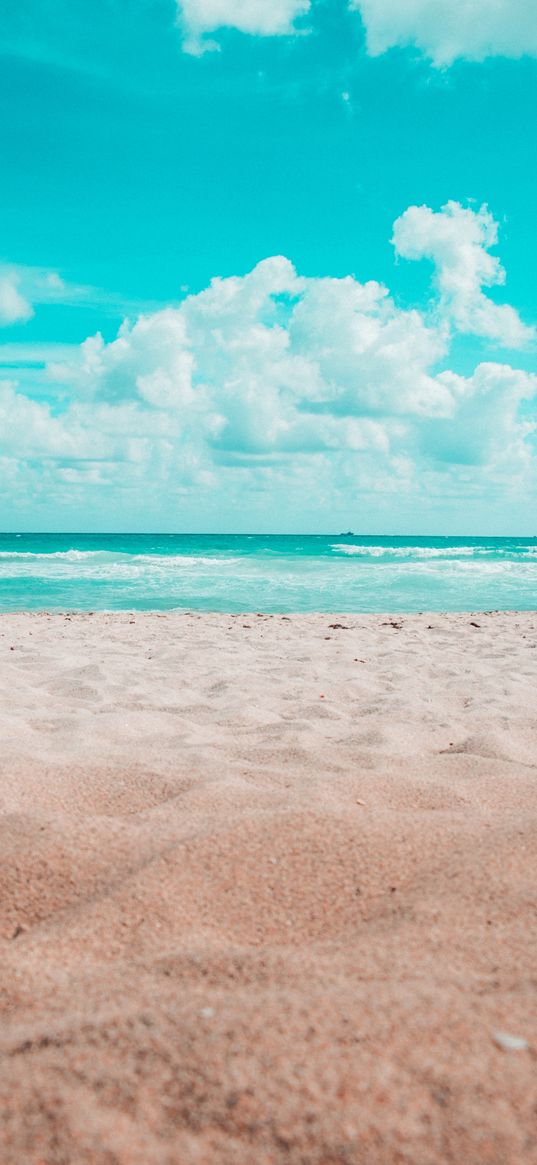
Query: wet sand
[(268, 890)]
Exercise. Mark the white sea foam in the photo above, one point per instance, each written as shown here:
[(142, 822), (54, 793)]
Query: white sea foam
[(415, 552), (65, 555), (114, 557)]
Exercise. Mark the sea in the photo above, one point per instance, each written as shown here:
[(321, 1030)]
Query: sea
[(271, 573)]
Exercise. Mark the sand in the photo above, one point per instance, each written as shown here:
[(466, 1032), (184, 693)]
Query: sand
[(268, 890)]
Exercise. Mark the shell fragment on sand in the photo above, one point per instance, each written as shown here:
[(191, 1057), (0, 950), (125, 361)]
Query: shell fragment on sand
[(510, 1043)]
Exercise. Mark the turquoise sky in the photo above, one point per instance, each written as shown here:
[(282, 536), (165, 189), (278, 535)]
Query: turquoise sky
[(148, 149)]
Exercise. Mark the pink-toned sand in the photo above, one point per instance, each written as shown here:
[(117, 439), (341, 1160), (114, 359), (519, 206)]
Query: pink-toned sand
[(268, 890)]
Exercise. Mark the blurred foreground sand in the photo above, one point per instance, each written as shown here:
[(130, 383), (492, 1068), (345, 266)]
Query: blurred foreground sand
[(268, 890)]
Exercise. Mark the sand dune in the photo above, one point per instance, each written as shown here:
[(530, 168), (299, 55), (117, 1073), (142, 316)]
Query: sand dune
[(267, 890)]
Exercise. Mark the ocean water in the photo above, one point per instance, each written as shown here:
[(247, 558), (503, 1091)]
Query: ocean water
[(338, 572)]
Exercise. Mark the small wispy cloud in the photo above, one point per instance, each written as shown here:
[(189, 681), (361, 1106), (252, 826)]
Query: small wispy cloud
[(15, 308), (23, 289)]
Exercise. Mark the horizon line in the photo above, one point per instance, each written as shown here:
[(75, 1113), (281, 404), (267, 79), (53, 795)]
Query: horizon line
[(242, 534)]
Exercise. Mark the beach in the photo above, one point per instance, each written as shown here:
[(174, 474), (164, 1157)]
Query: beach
[(268, 889)]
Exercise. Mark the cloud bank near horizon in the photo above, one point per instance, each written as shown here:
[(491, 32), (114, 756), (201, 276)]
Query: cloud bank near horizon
[(272, 381)]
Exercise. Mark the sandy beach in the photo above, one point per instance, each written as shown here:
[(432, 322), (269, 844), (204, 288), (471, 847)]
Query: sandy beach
[(268, 889)]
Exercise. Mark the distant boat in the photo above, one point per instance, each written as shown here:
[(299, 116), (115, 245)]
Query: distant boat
[(347, 534)]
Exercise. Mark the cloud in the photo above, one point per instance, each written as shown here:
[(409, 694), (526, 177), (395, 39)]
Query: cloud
[(272, 381), (14, 307), (24, 288), (486, 425), (198, 18), (442, 30), (445, 31), (458, 241), (272, 362)]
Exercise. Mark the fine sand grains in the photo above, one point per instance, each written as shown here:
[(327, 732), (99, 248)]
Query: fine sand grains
[(268, 889)]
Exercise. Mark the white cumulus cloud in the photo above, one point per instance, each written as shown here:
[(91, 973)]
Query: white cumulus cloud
[(273, 381), (198, 18), (458, 241), (445, 30), (273, 362), (486, 424)]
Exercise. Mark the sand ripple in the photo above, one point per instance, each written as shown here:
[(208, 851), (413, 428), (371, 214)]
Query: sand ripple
[(267, 890)]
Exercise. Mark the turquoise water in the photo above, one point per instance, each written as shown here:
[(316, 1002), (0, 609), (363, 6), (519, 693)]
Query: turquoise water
[(337, 572)]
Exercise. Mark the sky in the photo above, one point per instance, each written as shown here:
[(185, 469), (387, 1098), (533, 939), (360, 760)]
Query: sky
[(268, 267)]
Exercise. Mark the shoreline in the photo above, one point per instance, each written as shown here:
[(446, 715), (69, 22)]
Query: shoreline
[(267, 888), (196, 612)]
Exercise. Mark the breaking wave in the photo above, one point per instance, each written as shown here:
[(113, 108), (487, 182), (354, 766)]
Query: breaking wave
[(265, 573), (416, 552)]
